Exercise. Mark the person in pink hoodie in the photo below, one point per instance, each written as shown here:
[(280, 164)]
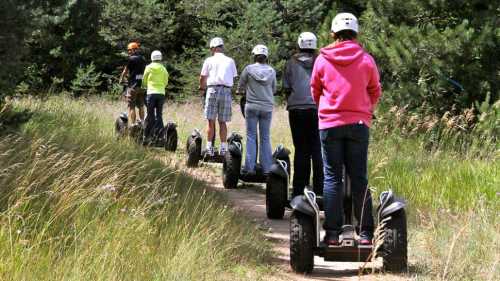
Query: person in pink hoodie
[(345, 84)]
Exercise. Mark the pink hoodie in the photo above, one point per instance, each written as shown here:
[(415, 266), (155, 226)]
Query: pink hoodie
[(345, 84)]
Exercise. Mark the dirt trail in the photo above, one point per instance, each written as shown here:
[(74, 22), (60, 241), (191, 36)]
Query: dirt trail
[(250, 200)]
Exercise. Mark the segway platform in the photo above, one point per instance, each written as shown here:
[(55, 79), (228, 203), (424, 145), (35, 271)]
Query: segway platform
[(305, 242), (215, 158), (195, 153), (348, 250), (257, 177)]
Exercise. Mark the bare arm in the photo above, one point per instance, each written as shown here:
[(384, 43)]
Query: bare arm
[(124, 72), (203, 84)]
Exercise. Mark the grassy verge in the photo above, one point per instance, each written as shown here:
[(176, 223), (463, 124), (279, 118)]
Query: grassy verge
[(453, 204), (77, 205), (452, 196)]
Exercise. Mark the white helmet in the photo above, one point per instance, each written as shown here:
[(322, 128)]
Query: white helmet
[(156, 56), (260, 50), (307, 40), (345, 21), (216, 42)]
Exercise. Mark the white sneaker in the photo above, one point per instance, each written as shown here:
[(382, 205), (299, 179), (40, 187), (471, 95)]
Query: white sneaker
[(210, 151), (223, 149)]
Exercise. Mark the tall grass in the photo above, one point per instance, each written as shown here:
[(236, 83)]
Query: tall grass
[(450, 185), (77, 205)]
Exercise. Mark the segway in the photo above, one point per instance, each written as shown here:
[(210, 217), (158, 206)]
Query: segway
[(195, 153), (279, 192), (162, 136), (305, 242), (231, 168), (165, 137), (122, 129)]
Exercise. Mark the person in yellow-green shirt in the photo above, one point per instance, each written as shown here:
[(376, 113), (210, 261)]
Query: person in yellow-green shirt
[(155, 80)]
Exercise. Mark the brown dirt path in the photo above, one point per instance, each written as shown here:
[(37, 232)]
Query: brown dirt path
[(249, 199)]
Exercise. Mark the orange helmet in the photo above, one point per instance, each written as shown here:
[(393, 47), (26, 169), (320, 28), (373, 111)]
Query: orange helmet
[(133, 46)]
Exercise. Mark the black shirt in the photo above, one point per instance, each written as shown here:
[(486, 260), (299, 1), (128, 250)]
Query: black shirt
[(136, 65)]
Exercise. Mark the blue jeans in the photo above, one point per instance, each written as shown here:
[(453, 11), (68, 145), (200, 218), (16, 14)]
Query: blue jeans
[(346, 146), (263, 120), (154, 111)]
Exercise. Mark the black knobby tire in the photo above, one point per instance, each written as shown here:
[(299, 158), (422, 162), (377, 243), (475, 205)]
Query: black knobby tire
[(395, 246), (136, 132), (120, 128), (275, 197), (301, 242), (171, 139), (231, 170), (193, 149)]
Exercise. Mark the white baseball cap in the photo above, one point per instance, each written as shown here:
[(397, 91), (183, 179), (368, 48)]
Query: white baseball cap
[(216, 42), (260, 50), (345, 21)]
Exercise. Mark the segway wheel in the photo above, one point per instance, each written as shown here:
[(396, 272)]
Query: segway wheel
[(136, 132), (301, 242), (395, 246), (193, 149), (171, 137), (275, 197), (231, 171), (120, 128)]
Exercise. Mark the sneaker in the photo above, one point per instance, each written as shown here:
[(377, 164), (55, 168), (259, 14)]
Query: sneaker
[(365, 238), (222, 151), (331, 239), (210, 151)]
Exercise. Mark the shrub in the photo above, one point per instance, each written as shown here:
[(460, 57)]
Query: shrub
[(87, 81)]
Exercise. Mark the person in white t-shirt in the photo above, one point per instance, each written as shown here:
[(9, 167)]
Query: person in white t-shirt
[(217, 75)]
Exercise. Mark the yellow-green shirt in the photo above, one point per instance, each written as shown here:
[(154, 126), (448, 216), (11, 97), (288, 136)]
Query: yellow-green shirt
[(155, 78)]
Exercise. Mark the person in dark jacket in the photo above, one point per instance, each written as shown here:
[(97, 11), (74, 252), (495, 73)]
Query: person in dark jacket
[(303, 116)]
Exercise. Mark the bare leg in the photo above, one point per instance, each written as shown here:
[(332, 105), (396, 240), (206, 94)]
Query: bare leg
[(131, 115), (223, 131), (211, 130), (141, 113)]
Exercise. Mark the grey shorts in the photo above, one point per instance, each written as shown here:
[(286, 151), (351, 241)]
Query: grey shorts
[(218, 103)]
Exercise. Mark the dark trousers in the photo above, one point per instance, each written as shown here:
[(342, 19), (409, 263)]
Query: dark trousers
[(305, 135), (154, 111), (346, 146)]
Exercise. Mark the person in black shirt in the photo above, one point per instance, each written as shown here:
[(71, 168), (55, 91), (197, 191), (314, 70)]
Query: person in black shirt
[(134, 94)]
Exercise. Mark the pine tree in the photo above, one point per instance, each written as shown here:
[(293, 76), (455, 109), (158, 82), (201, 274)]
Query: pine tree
[(439, 53), (14, 22), (64, 37)]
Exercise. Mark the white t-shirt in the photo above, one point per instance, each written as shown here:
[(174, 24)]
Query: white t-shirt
[(220, 70)]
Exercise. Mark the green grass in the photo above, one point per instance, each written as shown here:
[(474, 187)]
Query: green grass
[(452, 197), (78, 205)]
